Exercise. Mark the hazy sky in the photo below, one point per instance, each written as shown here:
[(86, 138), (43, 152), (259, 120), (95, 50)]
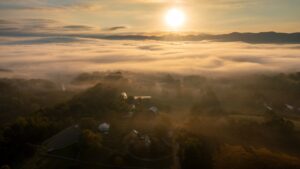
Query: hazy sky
[(148, 15)]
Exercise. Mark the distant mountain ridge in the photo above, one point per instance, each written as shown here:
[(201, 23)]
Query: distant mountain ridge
[(255, 38), (262, 37)]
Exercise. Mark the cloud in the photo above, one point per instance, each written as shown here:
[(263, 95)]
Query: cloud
[(41, 27), (42, 56), (48, 5), (295, 47), (247, 59), (2, 70), (16, 6), (150, 47), (8, 29), (47, 40), (78, 28), (6, 22), (115, 28), (28, 25), (108, 59)]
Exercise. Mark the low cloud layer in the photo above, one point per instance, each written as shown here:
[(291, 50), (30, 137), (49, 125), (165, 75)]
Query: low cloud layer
[(48, 57)]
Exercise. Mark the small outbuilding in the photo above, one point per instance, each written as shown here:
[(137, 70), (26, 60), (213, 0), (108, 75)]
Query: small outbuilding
[(268, 107), (124, 96), (290, 107), (154, 110), (104, 128)]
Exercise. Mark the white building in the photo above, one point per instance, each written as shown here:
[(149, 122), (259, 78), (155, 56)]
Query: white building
[(104, 128)]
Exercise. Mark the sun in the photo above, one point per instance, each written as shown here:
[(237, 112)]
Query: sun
[(175, 18)]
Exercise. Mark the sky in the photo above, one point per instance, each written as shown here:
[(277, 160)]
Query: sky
[(209, 16)]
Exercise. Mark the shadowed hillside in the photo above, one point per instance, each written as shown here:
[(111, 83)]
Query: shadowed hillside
[(124, 119)]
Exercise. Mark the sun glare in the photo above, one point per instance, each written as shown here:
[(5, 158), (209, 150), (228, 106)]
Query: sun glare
[(175, 18)]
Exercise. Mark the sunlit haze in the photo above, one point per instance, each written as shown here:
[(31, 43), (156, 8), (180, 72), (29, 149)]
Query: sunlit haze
[(149, 84)]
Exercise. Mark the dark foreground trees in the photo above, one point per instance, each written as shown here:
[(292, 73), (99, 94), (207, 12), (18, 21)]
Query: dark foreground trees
[(18, 141), (195, 153)]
